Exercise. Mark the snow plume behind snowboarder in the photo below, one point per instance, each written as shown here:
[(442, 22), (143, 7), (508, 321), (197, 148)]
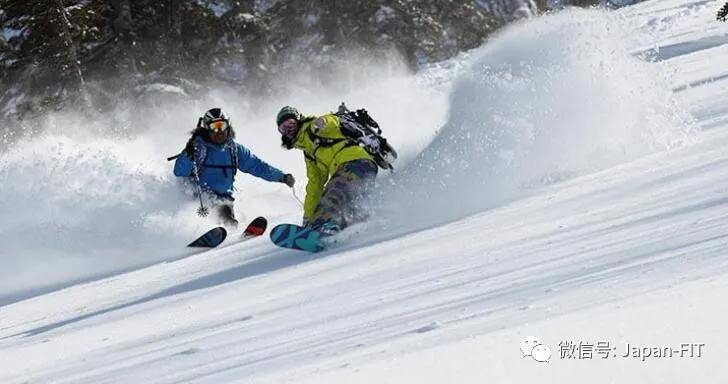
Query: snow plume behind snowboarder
[(340, 168), (211, 159)]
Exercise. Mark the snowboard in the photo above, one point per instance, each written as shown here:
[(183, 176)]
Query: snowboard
[(216, 236), (294, 236)]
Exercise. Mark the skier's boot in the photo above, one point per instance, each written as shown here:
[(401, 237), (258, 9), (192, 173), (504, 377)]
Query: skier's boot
[(227, 214)]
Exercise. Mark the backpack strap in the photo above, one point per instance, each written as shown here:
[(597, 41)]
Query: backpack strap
[(326, 142), (234, 158), (323, 141)]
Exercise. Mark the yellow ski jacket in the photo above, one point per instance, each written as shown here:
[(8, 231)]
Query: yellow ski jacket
[(325, 149)]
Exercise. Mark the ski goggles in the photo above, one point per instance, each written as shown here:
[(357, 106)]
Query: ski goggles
[(288, 128), (219, 126)]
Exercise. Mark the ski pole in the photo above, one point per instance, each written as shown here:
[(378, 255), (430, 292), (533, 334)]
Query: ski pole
[(202, 211), (296, 196)]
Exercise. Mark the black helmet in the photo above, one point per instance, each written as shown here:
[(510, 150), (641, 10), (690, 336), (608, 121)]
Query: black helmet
[(215, 120)]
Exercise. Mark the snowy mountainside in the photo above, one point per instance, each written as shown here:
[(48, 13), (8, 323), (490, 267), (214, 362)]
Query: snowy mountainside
[(625, 243), (548, 100)]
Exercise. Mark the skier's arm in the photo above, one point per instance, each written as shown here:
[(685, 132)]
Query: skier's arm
[(249, 163), (314, 189), (183, 166)]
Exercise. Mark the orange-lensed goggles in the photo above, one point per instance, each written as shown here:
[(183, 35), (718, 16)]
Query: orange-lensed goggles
[(218, 126)]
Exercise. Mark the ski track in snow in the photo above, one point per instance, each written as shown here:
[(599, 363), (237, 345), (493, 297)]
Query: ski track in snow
[(634, 252)]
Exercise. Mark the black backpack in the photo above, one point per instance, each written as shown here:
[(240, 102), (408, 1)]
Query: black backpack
[(359, 126)]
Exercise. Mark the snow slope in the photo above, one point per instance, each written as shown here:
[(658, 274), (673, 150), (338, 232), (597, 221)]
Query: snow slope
[(625, 244)]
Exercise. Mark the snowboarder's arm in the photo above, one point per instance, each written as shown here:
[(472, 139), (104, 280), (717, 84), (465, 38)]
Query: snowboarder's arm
[(314, 188), (249, 163), (328, 126), (183, 166)]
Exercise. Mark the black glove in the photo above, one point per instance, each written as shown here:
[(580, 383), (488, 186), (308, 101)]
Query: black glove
[(191, 148), (288, 180)]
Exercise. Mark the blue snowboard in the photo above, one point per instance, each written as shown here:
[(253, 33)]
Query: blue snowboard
[(297, 237), (210, 239)]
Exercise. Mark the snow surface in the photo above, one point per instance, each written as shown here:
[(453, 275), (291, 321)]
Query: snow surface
[(587, 203)]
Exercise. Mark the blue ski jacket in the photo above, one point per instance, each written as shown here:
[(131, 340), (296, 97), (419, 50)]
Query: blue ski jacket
[(217, 165)]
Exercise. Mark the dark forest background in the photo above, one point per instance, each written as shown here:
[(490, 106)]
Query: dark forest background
[(55, 53)]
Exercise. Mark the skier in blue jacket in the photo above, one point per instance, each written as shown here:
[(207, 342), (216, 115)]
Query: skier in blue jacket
[(217, 158)]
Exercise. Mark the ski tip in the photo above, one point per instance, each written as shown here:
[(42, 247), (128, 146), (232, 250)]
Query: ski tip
[(259, 221), (210, 239), (256, 227)]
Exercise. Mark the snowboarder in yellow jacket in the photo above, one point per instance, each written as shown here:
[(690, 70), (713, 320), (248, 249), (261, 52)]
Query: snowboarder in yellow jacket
[(340, 172)]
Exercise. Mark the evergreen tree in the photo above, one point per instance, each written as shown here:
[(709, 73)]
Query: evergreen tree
[(107, 47), (723, 12)]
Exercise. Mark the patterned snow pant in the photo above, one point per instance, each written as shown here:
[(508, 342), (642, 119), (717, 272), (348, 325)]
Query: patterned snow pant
[(342, 202)]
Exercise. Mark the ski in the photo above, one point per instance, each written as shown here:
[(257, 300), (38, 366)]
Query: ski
[(255, 228), (217, 235), (210, 239)]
